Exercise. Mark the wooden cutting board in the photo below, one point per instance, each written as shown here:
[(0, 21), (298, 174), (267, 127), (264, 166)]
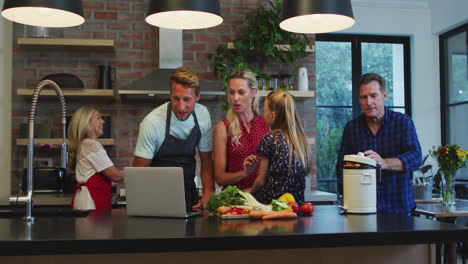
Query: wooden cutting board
[(227, 217)]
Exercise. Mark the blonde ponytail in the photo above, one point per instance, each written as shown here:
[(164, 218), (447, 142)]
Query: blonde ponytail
[(287, 122)]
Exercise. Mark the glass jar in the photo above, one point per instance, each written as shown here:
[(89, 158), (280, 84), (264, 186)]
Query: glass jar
[(284, 82), (274, 82), (261, 83)]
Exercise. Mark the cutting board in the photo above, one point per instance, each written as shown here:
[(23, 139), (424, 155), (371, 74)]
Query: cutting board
[(227, 217)]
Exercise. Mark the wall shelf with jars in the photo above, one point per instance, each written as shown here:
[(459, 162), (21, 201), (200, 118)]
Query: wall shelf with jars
[(298, 95), (283, 47), (163, 94)]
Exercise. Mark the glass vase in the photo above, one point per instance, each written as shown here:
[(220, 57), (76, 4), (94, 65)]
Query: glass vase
[(448, 188)]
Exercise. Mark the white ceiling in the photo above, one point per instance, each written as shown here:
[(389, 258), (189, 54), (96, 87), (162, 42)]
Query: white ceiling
[(412, 4)]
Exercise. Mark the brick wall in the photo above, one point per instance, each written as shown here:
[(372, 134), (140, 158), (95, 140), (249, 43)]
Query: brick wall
[(135, 55)]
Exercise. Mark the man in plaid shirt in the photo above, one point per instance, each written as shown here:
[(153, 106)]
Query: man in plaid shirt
[(387, 137)]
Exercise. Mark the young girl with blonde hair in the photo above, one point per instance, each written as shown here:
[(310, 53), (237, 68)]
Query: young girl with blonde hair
[(236, 138), (285, 153), (94, 169)]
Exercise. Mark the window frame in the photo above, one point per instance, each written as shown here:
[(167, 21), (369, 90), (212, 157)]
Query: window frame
[(356, 41), (444, 90), (356, 63)]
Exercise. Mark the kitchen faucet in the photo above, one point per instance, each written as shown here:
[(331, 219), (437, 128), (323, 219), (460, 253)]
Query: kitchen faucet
[(32, 113)]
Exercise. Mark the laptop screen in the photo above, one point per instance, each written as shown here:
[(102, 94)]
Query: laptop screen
[(155, 191)]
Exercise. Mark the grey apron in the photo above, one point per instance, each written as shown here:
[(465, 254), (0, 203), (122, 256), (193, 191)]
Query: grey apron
[(176, 152)]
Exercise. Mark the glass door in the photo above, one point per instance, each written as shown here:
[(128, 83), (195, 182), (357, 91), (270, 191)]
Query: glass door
[(454, 89)]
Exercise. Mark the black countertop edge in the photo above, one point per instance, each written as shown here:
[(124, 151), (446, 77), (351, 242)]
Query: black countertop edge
[(114, 232), (115, 246)]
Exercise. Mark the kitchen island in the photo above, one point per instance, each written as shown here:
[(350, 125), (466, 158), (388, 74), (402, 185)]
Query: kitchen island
[(325, 237)]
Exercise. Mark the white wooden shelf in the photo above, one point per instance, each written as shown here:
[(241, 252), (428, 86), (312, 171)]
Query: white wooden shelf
[(284, 47), (299, 95), (58, 141), (142, 94), (91, 44), (68, 92)]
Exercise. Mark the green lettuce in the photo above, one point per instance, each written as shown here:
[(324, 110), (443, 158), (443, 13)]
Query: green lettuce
[(229, 196)]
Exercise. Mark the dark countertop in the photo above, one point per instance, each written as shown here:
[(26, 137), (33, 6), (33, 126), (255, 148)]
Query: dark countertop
[(115, 232), (45, 199)]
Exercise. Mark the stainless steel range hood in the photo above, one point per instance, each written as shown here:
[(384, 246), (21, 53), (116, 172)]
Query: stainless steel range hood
[(170, 57)]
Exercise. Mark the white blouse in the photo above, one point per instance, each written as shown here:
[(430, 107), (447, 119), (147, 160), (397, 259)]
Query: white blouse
[(91, 158)]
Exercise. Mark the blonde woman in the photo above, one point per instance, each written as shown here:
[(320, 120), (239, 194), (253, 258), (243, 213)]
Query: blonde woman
[(286, 157), (94, 170), (236, 138)]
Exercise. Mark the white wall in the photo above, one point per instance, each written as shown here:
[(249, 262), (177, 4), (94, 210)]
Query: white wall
[(5, 105), (413, 19), (448, 14)]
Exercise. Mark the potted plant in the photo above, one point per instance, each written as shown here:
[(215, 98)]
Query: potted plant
[(422, 181), (258, 42)]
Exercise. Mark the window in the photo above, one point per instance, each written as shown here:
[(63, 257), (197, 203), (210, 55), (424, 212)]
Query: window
[(340, 61), (454, 89)]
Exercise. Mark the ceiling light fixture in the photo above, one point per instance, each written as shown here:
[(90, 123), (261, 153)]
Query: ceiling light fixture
[(184, 14), (316, 16), (44, 13)]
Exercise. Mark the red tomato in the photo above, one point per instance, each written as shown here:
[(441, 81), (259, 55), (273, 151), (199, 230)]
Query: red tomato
[(294, 206), (307, 208)]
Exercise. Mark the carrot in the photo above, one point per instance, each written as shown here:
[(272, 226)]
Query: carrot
[(280, 215), (223, 209), (261, 214), (245, 211), (258, 213)]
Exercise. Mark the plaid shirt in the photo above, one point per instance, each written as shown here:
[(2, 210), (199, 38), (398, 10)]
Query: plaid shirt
[(395, 138)]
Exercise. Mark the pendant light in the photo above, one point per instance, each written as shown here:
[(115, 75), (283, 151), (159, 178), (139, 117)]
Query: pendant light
[(316, 16), (184, 14), (44, 13)]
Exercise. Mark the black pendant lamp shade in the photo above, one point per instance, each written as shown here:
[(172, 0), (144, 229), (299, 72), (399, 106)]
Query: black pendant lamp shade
[(184, 14), (316, 16), (44, 13)]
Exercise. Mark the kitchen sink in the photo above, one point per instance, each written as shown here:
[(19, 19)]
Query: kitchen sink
[(18, 212)]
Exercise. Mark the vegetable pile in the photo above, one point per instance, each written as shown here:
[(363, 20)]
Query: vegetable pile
[(232, 201), (232, 196), (228, 196)]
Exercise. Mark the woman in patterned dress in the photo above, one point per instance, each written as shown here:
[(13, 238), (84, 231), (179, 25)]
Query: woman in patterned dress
[(236, 138), (286, 156)]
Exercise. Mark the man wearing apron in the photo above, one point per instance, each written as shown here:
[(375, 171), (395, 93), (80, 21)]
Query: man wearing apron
[(170, 134)]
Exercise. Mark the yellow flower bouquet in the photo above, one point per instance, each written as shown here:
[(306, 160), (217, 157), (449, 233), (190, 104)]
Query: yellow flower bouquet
[(450, 158)]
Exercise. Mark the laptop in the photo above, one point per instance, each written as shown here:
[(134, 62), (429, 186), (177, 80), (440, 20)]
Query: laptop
[(156, 191)]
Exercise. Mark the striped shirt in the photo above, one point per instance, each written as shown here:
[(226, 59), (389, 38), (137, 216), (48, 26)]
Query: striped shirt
[(396, 138)]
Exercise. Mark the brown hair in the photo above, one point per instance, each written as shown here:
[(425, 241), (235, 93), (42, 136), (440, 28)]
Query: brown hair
[(186, 77), (369, 77)]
